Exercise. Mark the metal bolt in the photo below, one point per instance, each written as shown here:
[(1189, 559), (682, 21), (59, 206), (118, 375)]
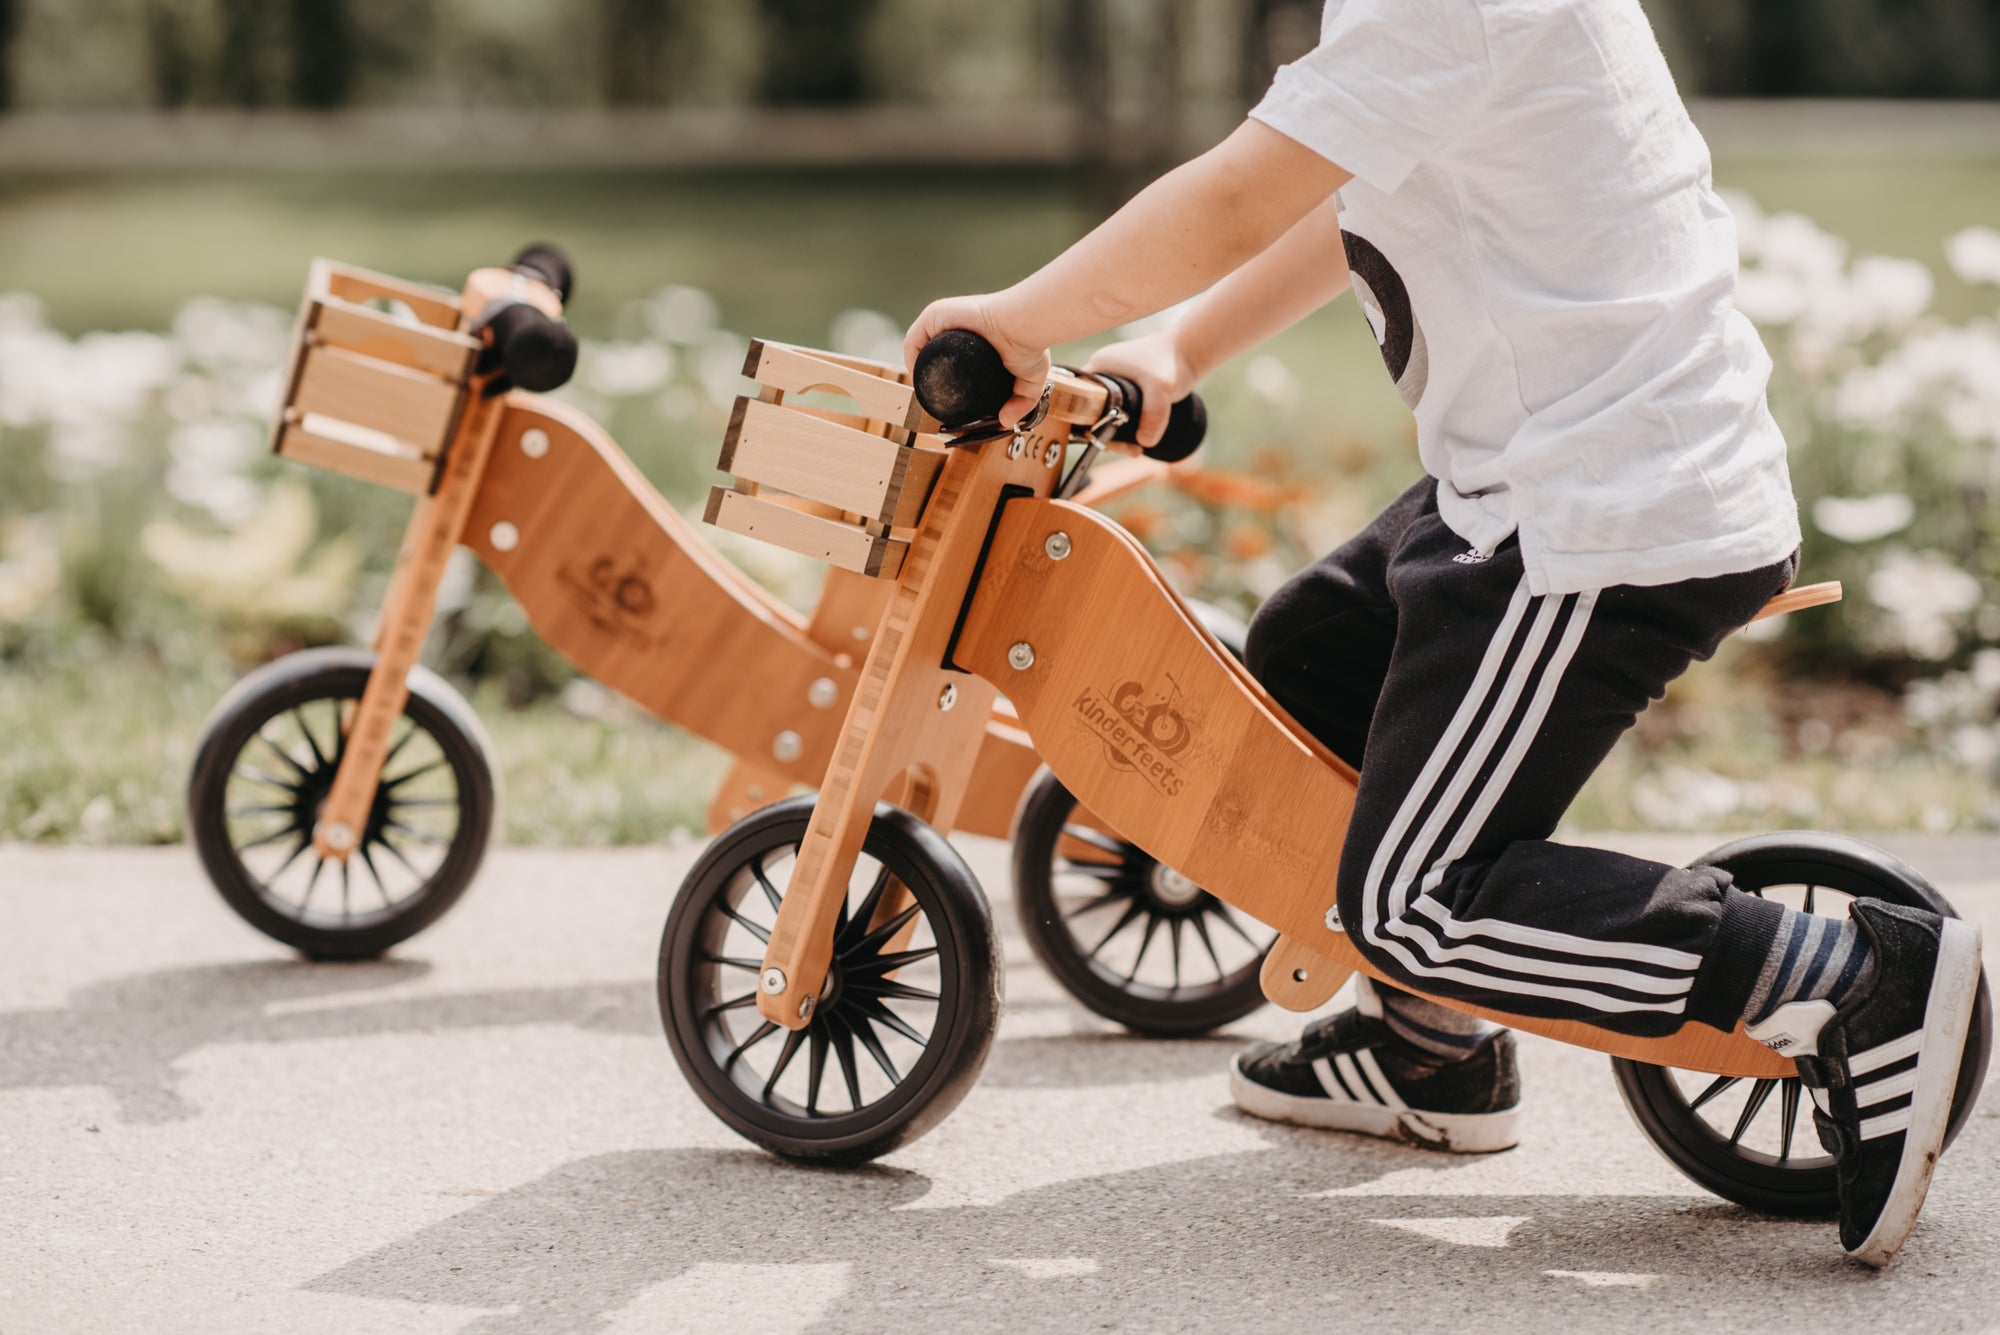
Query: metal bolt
[(861, 633), (1051, 454), (948, 696), (788, 746), (339, 836), (1298, 975), (1021, 656), (1057, 546), (1333, 919), (805, 1007), (505, 537), (822, 693), (773, 980), (1015, 446), (534, 442)]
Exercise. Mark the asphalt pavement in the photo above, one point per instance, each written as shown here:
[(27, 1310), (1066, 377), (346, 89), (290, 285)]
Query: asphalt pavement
[(486, 1133)]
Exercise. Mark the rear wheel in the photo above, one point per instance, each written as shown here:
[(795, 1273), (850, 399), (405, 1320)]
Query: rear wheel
[(1753, 1141), (265, 764), (903, 1024)]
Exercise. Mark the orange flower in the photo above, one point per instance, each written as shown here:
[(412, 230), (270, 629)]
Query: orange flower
[(1246, 542), (1213, 487), (1142, 521)]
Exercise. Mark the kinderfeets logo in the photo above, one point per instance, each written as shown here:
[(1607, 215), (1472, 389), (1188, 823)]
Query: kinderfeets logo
[(1140, 734)]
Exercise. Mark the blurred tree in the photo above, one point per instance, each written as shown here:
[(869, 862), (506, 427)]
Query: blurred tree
[(245, 39), (814, 51), (169, 57), (636, 39), (323, 53), (10, 27)]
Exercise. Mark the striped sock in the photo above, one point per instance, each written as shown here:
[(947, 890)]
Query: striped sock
[(1812, 959), (1438, 1030)]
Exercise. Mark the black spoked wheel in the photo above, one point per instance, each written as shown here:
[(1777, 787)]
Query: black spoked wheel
[(902, 1026), (267, 759), (1125, 934), (1752, 1141)]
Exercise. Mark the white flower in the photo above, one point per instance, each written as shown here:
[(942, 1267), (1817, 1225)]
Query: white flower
[(1683, 797), (1770, 296), (864, 333), (226, 333), (1926, 598), (1793, 243), (1864, 518), (1272, 381), (623, 370), (1974, 254), (1749, 223), (679, 314), (30, 567), (719, 366)]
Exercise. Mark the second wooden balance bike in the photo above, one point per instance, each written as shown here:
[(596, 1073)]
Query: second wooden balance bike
[(342, 798), (829, 980)]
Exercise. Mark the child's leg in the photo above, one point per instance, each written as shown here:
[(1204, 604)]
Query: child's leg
[(1496, 708)]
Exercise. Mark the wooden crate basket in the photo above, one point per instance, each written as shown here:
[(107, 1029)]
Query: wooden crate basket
[(371, 394), (830, 484)]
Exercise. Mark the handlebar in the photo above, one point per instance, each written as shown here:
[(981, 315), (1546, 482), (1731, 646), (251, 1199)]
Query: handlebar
[(527, 344), (960, 379)]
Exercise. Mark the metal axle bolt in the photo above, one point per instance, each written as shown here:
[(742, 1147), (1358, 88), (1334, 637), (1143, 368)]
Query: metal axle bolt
[(948, 696), (805, 1007), (1021, 656), (773, 980), (1057, 546), (788, 746), (505, 537), (339, 836), (822, 693), (534, 442)]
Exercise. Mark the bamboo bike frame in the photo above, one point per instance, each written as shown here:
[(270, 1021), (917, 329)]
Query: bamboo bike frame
[(1138, 711)]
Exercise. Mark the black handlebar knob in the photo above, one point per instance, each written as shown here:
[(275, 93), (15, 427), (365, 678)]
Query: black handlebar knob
[(548, 263), (960, 378), (536, 352)]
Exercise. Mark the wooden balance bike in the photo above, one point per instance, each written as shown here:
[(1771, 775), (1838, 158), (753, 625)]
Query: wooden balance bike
[(342, 798), (828, 976)]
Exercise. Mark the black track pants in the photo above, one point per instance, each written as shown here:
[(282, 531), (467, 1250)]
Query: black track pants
[(1475, 712)]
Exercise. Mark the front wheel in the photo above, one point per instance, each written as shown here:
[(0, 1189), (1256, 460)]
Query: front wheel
[(901, 1027), (1730, 1134), (266, 761)]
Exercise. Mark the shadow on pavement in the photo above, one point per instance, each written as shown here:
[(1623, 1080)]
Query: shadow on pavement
[(126, 1034), (1228, 1241)]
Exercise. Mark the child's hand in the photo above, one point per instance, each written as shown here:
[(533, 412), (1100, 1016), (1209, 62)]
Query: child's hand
[(1030, 365), (1157, 366)]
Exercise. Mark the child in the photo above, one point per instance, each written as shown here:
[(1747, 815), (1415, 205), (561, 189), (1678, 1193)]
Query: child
[(1516, 195)]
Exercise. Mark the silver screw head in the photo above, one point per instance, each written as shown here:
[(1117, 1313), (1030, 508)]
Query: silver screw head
[(948, 696), (1021, 656), (773, 981), (788, 746), (861, 634), (504, 536), (805, 1007), (339, 836), (822, 693), (1051, 454), (1057, 545), (534, 442)]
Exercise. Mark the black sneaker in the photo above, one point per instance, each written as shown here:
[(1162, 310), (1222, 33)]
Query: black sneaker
[(1350, 1073), (1882, 1068)]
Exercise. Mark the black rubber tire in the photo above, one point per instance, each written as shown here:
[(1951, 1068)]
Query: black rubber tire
[(1144, 1008), (1747, 1176), (967, 1002), (339, 674)]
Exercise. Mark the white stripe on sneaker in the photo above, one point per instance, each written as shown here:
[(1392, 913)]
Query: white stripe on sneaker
[(1888, 1087), (1893, 1051), (1324, 1071), (1874, 1128), (1344, 1064), (1365, 1059)]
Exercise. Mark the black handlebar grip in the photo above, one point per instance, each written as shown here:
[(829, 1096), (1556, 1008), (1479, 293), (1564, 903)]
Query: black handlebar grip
[(538, 353), (1187, 423), (548, 263), (960, 378)]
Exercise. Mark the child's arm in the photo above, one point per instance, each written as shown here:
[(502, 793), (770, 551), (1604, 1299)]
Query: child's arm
[(1302, 271), (1175, 238)]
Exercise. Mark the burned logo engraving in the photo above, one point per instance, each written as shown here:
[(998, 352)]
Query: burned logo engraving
[(1147, 736), (619, 602)]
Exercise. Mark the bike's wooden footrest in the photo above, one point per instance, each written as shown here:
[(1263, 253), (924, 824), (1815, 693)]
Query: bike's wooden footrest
[(368, 393), (827, 483)]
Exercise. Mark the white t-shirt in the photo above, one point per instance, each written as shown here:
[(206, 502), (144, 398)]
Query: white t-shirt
[(1533, 231)]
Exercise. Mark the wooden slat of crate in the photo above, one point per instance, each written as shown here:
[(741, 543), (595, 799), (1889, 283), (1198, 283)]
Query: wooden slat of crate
[(781, 366), (435, 306), (848, 546), (441, 352), (371, 457), (824, 461), (411, 406)]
